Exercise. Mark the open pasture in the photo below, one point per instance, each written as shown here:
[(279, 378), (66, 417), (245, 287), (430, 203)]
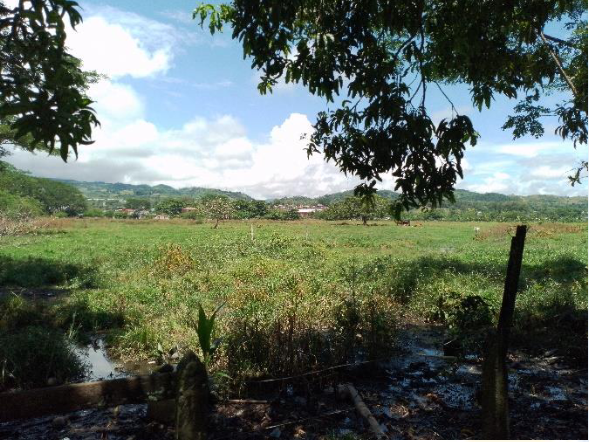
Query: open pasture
[(297, 296)]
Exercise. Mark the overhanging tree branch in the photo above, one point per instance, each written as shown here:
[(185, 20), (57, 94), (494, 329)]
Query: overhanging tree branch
[(558, 62)]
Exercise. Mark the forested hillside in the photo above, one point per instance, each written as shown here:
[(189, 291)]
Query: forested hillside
[(22, 195), (120, 191)]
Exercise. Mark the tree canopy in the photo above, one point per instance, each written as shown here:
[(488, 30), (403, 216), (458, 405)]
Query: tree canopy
[(50, 196), (353, 207), (171, 206), (382, 56), (43, 104)]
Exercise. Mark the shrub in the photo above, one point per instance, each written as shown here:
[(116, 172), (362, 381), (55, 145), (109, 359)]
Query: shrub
[(94, 213), (17, 207), (193, 215), (461, 313), (32, 355), (282, 215), (172, 261)]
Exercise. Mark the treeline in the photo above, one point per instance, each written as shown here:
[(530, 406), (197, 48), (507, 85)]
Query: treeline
[(469, 206), (209, 206), (24, 196)]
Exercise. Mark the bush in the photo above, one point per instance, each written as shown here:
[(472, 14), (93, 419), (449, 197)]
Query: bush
[(94, 213), (34, 354), (193, 215), (17, 207), (281, 215)]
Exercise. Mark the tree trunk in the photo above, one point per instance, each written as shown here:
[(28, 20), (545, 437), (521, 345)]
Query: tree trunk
[(495, 394)]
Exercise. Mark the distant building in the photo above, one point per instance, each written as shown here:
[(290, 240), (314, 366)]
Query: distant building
[(188, 209), (161, 217), (307, 211)]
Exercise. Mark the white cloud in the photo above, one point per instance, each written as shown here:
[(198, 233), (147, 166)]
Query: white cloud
[(115, 50), (531, 150), (495, 183), (116, 101), (550, 172), (203, 152)]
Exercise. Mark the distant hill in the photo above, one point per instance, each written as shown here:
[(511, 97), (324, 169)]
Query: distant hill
[(468, 206), (496, 206), (120, 191)]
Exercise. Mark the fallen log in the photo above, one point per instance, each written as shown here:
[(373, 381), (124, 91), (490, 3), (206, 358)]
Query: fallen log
[(73, 397), (348, 391)]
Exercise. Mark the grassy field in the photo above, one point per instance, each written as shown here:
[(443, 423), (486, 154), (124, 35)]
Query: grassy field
[(299, 295)]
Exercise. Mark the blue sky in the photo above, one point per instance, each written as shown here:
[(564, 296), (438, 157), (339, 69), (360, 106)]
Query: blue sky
[(180, 107)]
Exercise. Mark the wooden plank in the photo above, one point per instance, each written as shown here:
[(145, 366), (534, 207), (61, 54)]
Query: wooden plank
[(73, 397)]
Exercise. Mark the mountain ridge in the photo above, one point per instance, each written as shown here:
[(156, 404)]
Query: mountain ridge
[(91, 188)]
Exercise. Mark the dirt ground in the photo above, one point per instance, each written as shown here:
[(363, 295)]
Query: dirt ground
[(419, 394)]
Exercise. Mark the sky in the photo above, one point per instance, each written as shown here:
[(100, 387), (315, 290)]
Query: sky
[(180, 107)]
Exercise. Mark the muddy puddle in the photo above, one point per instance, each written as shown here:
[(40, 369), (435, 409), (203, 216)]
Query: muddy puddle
[(419, 394), (99, 366), (122, 422)]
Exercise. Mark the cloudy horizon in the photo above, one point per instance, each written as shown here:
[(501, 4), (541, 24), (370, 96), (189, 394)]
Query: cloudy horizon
[(180, 107)]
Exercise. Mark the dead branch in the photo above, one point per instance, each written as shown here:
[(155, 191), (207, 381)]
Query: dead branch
[(246, 401), (331, 413), (350, 392), (312, 373), (558, 62)]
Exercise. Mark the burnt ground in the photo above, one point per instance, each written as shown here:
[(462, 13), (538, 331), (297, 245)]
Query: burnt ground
[(419, 394)]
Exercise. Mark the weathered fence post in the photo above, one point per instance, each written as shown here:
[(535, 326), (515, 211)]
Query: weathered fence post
[(192, 400), (495, 395)]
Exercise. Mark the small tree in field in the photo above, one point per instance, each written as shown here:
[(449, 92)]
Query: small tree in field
[(218, 208)]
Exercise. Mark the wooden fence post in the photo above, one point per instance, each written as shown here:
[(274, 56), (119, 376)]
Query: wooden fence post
[(495, 383), (192, 400)]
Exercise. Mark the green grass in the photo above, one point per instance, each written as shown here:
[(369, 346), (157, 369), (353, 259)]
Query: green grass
[(302, 294)]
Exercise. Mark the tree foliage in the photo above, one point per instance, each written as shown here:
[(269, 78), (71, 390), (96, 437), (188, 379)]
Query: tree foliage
[(138, 203), (42, 86), (570, 58), (51, 196), (217, 208), (353, 207), (171, 206), (382, 56), (246, 209)]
